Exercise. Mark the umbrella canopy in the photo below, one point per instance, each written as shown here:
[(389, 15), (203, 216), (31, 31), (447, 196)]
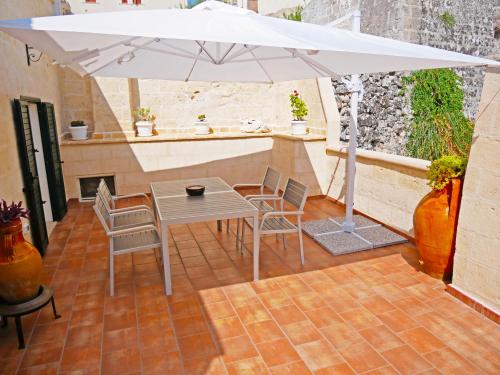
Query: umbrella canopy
[(218, 42)]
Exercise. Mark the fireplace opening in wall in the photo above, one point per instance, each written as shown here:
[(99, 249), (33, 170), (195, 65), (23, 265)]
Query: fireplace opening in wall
[(88, 186)]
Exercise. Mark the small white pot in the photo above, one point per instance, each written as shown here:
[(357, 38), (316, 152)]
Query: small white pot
[(299, 128), (78, 133), (201, 128), (144, 128)]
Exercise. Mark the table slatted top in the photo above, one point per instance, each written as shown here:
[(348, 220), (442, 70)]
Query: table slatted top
[(219, 202), (178, 187)]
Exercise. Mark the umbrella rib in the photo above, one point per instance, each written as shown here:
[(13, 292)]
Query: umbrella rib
[(227, 52), (178, 48), (244, 49), (202, 46), (123, 55), (261, 66), (189, 56), (311, 63), (194, 64)]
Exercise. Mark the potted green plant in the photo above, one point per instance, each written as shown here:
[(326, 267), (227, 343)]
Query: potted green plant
[(299, 112), (201, 127), (20, 261), (144, 121), (436, 216), (78, 130)]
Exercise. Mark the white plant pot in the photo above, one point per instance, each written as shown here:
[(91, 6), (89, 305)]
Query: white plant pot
[(144, 128), (299, 127), (201, 128), (78, 133)]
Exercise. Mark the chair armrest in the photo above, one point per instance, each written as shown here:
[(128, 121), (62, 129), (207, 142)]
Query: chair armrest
[(263, 198), (123, 213), (144, 195), (142, 228), (130, 209), (281, 213)]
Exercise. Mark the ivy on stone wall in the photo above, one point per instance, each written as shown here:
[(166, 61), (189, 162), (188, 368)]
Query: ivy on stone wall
[(439, 124)]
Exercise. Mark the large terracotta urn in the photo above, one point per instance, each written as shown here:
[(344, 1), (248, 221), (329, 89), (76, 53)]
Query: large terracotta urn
[(20, 264), (435, 222)]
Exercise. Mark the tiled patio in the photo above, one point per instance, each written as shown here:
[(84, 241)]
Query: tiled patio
[(370, 312)]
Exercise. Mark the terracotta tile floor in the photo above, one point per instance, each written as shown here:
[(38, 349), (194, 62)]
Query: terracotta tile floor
[(371, 312)]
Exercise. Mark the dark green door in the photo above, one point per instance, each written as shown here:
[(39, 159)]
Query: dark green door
[(30, 175), (53, 161)]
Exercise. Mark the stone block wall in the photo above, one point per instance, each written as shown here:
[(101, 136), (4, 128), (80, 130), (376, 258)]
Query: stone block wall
[(384, 118), (476, 270), (40, 80), (107, 104)]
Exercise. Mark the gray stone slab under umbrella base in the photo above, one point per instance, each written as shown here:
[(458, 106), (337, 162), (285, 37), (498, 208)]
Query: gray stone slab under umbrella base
[(367, 235)]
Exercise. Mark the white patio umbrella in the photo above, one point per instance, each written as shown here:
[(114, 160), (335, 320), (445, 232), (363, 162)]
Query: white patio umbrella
[(218, 42)]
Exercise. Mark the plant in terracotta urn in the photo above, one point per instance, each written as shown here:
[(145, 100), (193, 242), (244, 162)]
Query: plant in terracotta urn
[(436, 216), (20, 261)]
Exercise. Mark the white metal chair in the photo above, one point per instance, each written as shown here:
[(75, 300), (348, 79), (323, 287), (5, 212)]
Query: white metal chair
[(128, 239), (275, 222), (271, 182), (122, 218), (111, 200)]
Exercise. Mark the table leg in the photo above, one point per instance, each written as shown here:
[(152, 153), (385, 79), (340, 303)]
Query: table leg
[(56, 315), (165, 258), (256, 246), (4, 321), (219, 225), (19, 329)]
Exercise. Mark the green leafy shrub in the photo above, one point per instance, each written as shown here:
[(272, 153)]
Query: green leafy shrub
[(439, 124), (299, 107), (77, 123), (144, 114), (295, 14), (202, 117), (448, 19), (444, 169)]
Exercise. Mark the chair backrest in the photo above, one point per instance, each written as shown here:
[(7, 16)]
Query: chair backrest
[(102, 213), (105, 193), (295, 193), (271, 180)]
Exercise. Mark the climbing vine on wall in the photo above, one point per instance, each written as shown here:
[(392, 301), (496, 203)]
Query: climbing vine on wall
[(439, 124)]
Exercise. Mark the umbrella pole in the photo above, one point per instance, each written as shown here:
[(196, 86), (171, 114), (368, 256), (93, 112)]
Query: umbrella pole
[(348, 224)]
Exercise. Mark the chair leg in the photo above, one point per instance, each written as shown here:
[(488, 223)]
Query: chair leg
[(284, 240), (301, 241), (227, 225), (237, 232), (242, 239), (111, 271)]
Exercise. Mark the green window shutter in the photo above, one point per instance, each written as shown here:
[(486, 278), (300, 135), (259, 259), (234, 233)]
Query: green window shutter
[(53, 163)]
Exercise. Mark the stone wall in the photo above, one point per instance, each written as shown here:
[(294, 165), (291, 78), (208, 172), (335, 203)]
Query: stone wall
[(384, 117), (40, 80), (476, 268)]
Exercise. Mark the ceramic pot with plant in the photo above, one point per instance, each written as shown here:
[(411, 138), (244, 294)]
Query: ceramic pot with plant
[(299, 112), (201, 127), (144, 122), (78, 130), (20, 261), (436, 216)]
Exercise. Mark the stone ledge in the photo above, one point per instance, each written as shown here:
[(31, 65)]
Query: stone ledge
[(191, 137), (405, 161)]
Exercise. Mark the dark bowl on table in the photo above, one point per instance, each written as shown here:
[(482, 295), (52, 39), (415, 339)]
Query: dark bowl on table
[(195, 190)]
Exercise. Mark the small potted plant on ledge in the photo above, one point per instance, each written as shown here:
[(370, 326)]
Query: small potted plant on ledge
[(144, 122), (78, 130), (299, 112), (20, 261), (201, 127), (436, 216)]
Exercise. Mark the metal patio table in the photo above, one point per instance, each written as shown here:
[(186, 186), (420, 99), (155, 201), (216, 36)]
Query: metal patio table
[(220, 202)]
